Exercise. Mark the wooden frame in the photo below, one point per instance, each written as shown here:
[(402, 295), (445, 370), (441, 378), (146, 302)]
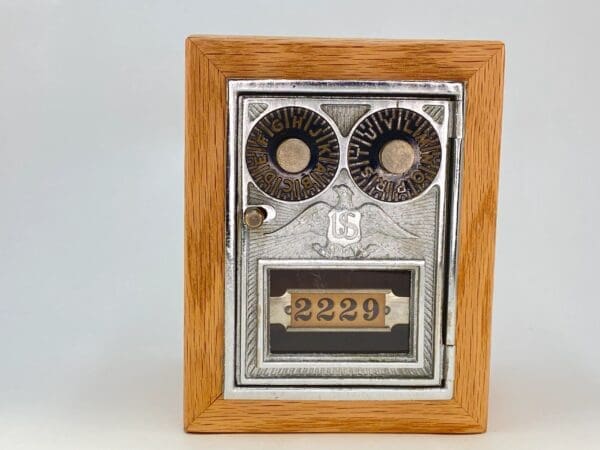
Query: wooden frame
[(210, 62)]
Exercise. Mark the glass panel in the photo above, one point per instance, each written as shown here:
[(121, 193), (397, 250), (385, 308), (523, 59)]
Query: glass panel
[(339, 311)]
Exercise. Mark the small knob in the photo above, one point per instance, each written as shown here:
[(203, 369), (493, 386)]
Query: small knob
[(254, 217)]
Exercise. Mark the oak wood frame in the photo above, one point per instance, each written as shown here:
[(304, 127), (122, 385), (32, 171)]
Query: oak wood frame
[(210, 62)]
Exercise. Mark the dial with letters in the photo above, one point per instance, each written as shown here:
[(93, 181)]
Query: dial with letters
[(292, 153), (394, 154)]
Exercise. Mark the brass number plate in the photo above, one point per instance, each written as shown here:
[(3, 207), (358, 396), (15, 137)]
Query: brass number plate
[(340, 309)]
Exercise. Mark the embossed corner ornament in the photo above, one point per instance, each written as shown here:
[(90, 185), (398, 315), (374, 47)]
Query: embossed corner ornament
[(340, 250)]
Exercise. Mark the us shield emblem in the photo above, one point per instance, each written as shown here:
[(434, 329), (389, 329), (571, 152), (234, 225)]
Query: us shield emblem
[(344, 227)]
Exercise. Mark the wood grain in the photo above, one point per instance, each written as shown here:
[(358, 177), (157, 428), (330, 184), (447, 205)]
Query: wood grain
[(210, 61)]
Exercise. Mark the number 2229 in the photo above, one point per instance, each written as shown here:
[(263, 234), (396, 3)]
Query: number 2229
[(324, 309)]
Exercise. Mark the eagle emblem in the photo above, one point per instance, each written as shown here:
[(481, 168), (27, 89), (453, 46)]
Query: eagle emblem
[(350, 232)]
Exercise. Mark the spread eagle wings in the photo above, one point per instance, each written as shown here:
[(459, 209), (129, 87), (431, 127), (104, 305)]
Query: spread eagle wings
[(375, 224), (313, 219)]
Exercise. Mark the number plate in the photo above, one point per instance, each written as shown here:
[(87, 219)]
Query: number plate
[(337, 309)]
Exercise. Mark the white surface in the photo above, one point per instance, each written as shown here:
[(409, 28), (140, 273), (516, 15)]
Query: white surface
[(91, 194)]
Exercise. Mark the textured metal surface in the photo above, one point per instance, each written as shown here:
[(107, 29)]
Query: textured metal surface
[(382, 369), (436, 112), (377, 232), (345, 116), (255, 110), (385, 243)]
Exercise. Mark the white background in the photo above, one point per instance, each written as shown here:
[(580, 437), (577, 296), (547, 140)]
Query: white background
[(91, 209)]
